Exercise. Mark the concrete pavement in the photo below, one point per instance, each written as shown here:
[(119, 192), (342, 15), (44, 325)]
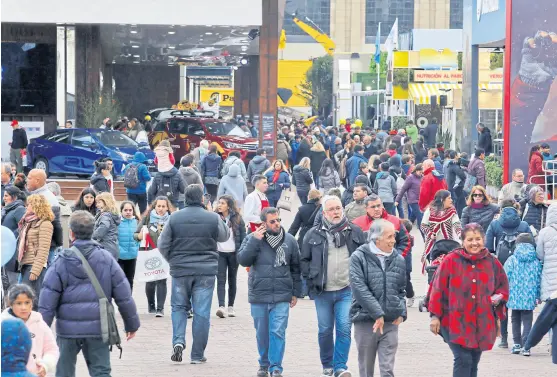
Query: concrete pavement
[(232, 348)]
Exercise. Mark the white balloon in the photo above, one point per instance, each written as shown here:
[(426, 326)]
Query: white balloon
[(8, 245)]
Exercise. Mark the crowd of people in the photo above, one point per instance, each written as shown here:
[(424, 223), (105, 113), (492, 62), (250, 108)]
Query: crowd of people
[(349, 249)]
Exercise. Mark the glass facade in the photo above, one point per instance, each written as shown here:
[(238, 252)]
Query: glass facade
[(386, 11), (319, 11), (456, 14)]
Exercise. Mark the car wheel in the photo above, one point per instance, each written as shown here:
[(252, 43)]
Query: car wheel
[(41, 163)]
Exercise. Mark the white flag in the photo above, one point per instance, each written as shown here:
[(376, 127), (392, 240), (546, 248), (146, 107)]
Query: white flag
[(391, 43)]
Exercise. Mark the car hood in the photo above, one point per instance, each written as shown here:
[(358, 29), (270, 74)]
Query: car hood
[(149, 154), (238, 139)]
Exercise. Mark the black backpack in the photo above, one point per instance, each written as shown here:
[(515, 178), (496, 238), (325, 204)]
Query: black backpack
[(165, 187), (505, 247), (131, 176)]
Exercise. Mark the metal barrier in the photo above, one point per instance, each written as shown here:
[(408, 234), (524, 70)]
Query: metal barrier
[(549, 177)]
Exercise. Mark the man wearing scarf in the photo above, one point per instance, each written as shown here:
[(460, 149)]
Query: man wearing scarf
[(378, 281), (274, 285), (326, 252)]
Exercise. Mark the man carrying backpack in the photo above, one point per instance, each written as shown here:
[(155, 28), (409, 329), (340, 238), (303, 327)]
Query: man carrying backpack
[(136, 176), (169, 184), (501, 241)]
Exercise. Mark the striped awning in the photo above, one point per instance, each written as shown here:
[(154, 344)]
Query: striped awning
[(421, 93)]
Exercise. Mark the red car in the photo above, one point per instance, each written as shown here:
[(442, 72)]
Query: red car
[(185, 133)]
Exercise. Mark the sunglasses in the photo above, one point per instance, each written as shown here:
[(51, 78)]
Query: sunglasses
[(275, 221)]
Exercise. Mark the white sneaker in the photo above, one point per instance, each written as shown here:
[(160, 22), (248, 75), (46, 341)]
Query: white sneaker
[(410, 302), (220, 312), (231, 312)]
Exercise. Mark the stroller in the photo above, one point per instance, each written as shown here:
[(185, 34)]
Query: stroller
[(434, 259)]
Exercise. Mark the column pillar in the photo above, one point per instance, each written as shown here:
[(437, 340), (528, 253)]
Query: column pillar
[(88, 60), (466, 132), (183, 83)]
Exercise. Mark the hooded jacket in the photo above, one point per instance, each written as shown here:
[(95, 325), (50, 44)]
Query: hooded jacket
[(547, 253), (412, 132), (432, 182), (524, 271), (476, 168), (169, 178), (11, 214), (509, 223), (483, 216), (162, 153), (127, 244), (455, 173), (377, 291), (99, 183), (233, 184), (16, 348), (230, 161), (283, 150), (106, 232), (353, 167), (302, 179), (411, 188), (43, 349), (68, 294), (210, 168), (329, 181), (485, 142), (385, 187), (142, 174), (317, 157), (190, 176), (257, 165)]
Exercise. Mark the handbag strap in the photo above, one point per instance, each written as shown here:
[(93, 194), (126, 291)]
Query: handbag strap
[(90, 273)]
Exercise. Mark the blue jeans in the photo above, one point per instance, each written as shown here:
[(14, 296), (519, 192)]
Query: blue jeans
[(198, 290), (333, 311), (95, 352), (270, 322), (400, 210), (416, 214)]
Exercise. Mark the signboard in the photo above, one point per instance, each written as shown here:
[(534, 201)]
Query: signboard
[(531, 96), (268, 129), (222, 96), (455, 76)]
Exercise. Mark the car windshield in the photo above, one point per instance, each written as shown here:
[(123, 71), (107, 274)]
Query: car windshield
[(225, 128), (113, 138)]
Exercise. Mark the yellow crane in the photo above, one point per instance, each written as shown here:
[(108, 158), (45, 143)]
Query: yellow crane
[(313, 31)]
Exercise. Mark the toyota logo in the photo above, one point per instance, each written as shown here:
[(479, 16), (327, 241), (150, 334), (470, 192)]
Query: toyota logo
[(153, 263)]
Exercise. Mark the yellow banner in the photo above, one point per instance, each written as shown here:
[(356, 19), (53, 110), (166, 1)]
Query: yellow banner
[(455, 76), (223, 96)]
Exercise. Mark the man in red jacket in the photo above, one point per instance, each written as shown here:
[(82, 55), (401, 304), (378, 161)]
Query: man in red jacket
[(376, 211), (432, 182)]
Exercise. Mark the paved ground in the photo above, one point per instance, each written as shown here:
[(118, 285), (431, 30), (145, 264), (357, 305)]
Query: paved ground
[(232, 350)]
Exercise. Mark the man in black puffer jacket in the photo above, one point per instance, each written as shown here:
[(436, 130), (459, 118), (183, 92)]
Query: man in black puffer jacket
[(274, 284), (169, 183), (189, 243), (378, 281)]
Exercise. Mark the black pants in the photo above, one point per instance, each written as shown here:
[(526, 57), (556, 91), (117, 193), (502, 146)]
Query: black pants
[(466, 360), (128, 266), (303, 195), (227, 262), (158, 287), (212, 190), (140, 200), (546, 321), (522, 324), (505, 328)]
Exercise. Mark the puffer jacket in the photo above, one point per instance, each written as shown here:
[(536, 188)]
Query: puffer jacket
[(317, 157), (127, 244), (233, 184), (275, 188), (44, 348), (172, 178), (547, 253), (11, 214), (283, 150), (315, 254), (476, 168), (143, 175), (524, 271), (37, 245), (535, 215), (508, 223), (411, 188), (190, 176), (233, 160), (17, 339), (304, 219), (483, 216), (268, 284), (377, 291), (385, 187), (210, 168), (301, 178), (99, 183), (353, 167), (329, 181), (106, 232), (257, 165), (68, 294)]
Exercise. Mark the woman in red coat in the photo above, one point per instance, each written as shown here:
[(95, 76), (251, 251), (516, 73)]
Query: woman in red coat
[(535, 166), (467, 299)]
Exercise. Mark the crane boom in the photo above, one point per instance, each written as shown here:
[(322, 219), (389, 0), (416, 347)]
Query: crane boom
[(316, 33)]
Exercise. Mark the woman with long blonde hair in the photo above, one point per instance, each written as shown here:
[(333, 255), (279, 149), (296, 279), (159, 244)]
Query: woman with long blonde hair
[(479, 208), (302, 179), (35, 235), (106, 224)]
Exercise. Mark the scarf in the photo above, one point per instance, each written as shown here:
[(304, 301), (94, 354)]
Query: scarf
[(8, 207), (440, 222), (276, 175), (276, 243), (477, 205), (156, 219), (24, 225), (337, 230)]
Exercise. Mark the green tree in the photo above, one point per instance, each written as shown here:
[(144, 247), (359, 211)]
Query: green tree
[(382, 65), (317, 89), (96, 107), (496, 60)]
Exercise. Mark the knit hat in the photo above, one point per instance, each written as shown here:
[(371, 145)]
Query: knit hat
[(14, 122)]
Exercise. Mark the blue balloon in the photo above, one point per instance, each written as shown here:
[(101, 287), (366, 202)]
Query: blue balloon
[(8, 245)]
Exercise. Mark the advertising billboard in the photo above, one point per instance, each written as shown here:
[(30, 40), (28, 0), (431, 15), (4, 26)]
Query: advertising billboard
[(530, 88)]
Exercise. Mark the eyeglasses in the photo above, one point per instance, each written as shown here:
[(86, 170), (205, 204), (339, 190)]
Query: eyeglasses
[(275, 221), (334, 209), (377, 206), (478, 195)]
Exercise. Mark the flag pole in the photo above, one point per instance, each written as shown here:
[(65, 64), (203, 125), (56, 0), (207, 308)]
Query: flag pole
[(377, 66)]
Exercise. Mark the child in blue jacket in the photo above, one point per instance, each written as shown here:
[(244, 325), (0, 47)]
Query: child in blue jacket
[(524, 271), (128, 245)]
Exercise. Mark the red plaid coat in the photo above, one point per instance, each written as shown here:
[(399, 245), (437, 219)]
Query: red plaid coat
[(460, 295)]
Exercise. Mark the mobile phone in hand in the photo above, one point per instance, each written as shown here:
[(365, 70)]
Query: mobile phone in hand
[(206, 198)]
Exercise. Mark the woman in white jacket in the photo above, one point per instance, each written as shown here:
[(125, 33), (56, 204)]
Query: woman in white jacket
[(547, 253)]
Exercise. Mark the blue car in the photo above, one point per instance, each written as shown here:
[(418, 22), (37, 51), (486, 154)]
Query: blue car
[(74, 151)]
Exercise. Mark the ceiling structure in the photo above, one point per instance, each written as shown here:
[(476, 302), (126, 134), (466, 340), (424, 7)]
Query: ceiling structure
[(204, 46)]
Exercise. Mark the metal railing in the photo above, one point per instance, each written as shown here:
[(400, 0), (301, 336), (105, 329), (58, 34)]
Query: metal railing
[(549, 177)]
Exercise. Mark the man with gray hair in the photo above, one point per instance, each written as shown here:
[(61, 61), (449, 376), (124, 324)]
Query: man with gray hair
[(378, 282), (325, 262), (69, 295), (513, 189)]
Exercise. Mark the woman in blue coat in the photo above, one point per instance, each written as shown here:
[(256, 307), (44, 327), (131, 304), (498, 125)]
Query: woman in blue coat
[(128, 245), (278, 180)]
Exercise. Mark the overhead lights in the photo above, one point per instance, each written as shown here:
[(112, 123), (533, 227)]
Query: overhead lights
[(135, 46), (244, 61), (244, 48), (243, 53), (133, 31), (114, 62), (172, 47), (208, 33), (209, 25), (136, 56), (136, 62), (245, 33), (171, 32)]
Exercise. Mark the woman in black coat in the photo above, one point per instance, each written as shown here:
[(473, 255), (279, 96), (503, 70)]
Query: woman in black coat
[(317, 155), (303, 150)]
